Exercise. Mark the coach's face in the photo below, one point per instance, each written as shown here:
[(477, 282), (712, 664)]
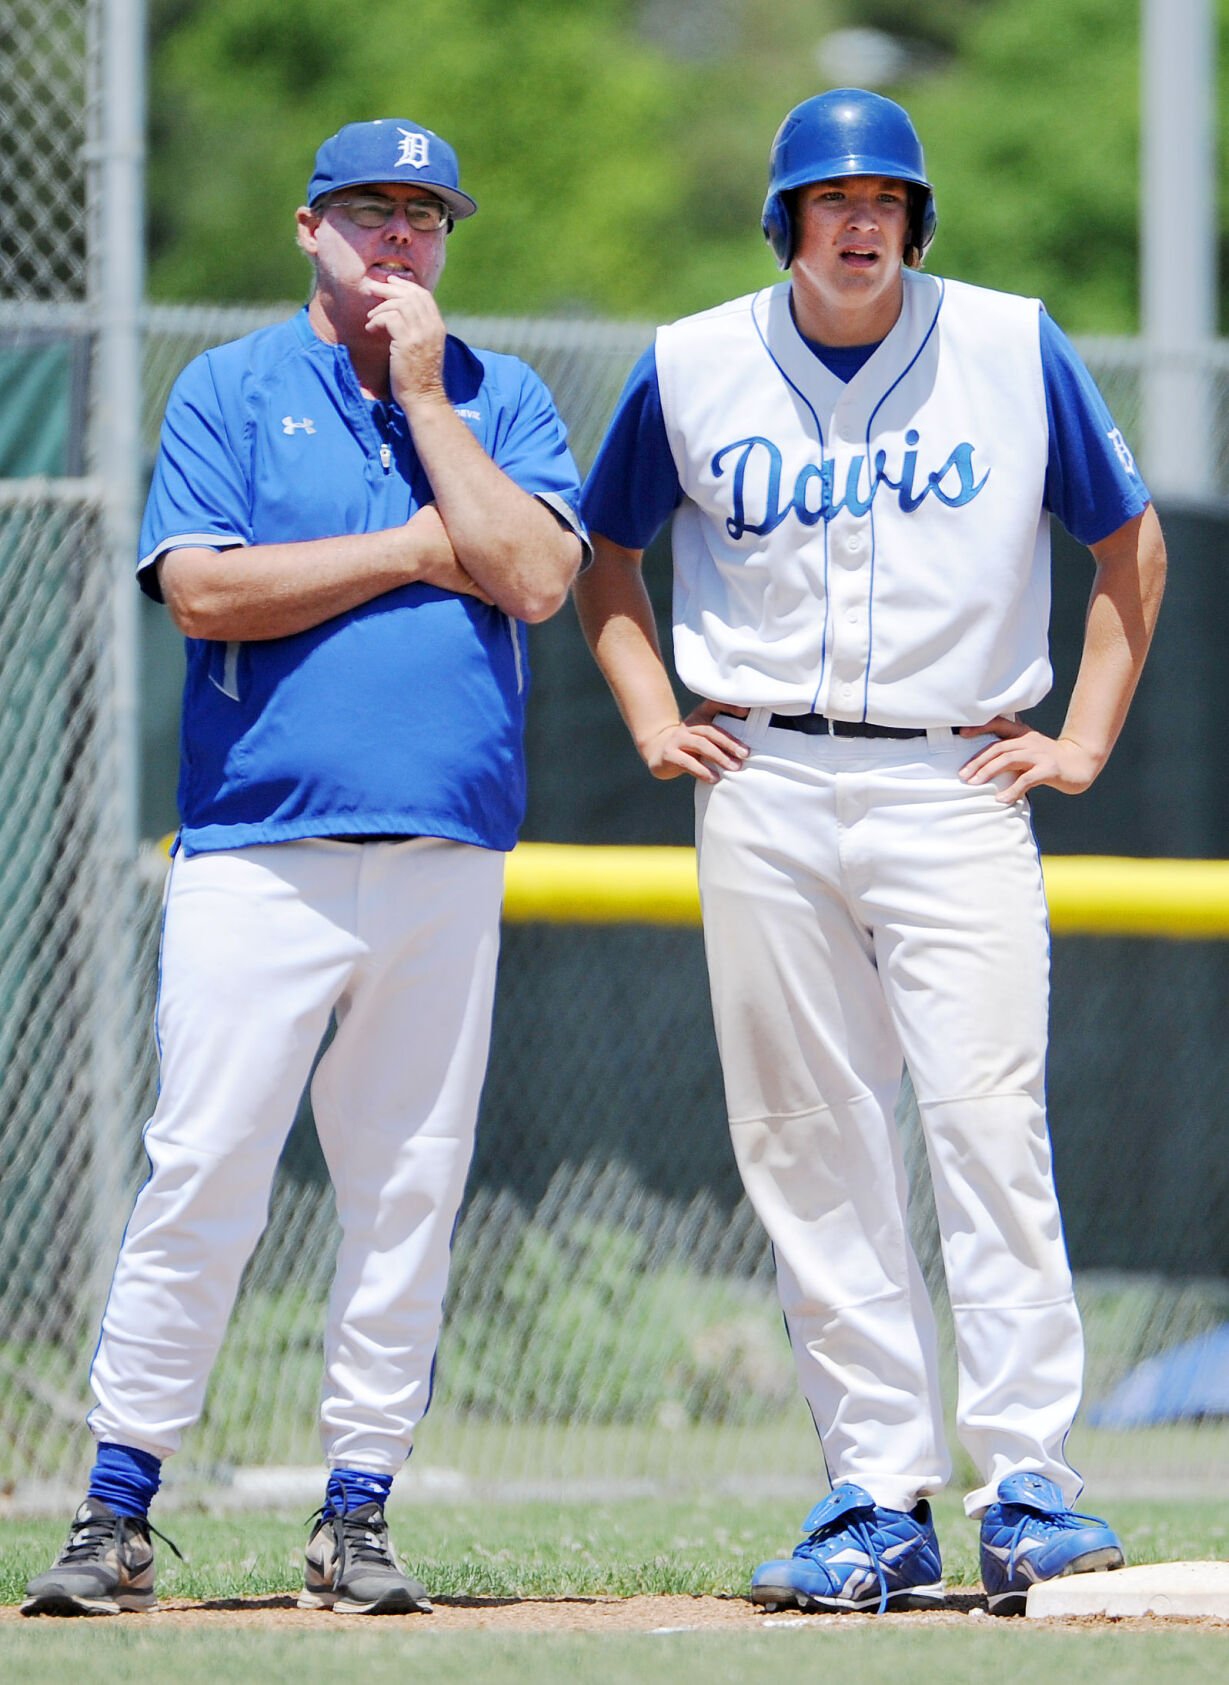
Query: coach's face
[(348, 256), (849, 249)]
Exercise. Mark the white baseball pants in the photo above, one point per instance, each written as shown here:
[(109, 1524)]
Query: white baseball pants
[(260, 946), (862, 903)]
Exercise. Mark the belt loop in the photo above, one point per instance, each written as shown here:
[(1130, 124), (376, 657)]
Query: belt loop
[(753, 728), (940, 736)]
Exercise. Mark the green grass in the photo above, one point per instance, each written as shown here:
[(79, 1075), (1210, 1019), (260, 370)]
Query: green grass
[(623, 1549), (535, 1550), (861, 1654), (498, 1550)]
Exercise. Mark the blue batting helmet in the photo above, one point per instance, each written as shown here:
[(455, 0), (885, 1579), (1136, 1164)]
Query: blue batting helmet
[(847, 132)]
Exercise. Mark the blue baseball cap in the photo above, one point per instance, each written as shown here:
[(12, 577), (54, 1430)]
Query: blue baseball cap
[(389, 149)]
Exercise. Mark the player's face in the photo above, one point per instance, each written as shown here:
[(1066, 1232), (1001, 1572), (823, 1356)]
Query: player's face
[(849, 249), (349, 257)]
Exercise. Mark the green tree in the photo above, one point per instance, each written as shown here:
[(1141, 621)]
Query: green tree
[(618, 150), (1030, 113), (1032, 139), (618, 159), (554, 110)]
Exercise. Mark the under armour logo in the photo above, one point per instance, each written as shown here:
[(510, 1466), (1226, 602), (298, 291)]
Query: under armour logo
[(1123, 449), (290, 427), (413, 149)]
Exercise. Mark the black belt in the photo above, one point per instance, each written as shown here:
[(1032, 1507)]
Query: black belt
[(819, 725)]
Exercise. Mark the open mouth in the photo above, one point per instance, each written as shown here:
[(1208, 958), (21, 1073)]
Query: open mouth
[(859, 257), (392, 270)]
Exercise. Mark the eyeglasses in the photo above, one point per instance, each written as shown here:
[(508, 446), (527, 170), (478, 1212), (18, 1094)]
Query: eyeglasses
[(425, 216)]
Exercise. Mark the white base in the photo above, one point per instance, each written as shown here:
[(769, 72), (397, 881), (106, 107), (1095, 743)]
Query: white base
[(1179, 1590)]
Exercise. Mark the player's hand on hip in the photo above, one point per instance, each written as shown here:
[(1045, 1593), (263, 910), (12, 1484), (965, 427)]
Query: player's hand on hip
[(1028, 758), (695, 746), (410, 317)]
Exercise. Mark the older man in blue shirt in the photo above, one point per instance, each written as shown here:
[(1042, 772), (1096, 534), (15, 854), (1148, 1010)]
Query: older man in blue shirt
[(353, 515)]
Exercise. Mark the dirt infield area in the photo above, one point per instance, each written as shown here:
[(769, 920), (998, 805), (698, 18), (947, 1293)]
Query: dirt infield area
[(595, 1614)]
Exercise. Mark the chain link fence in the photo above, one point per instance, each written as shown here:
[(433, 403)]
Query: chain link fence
[(45, 51), (611, 1318), (609, 1279)]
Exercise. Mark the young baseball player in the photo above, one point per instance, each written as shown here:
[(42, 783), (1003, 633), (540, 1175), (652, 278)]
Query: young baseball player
[(352, 516), (861, 463)]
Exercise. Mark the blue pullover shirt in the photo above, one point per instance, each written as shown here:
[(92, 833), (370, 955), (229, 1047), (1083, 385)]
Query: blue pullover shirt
[(402, 716)]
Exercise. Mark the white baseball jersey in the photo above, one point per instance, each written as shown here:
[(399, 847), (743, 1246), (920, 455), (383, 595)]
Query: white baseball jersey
[(865, 536), (871, 549)]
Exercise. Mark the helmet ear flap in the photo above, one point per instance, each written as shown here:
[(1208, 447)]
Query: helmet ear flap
[(778, 226), (923, 220)]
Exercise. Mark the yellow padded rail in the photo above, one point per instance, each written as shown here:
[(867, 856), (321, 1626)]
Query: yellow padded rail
[(1099, 895), (564, 883), (1106, 895)]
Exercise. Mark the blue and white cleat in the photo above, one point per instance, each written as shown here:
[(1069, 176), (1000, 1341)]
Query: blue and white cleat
[(1031, 1535), (856, 1556)]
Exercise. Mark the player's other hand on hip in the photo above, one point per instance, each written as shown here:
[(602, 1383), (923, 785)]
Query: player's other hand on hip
[(1022, 759), (695, 746)]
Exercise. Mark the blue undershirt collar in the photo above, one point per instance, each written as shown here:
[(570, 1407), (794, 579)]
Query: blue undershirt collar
[(843, 361)]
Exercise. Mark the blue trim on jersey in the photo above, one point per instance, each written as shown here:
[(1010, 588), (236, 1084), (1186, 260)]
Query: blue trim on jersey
[(870, 595), (819, 432), (633, 487), (1092, 486), (402, 715)]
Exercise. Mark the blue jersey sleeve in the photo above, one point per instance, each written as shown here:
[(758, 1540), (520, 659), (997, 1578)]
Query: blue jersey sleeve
[(633, 487), (531, 442), (1092, 483), (531, 447), (199, 493)]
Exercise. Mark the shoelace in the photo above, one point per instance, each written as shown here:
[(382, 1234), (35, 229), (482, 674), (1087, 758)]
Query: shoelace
[(1059, 1521), (364, 1538), (88, 1538), (91, 1537), (863, 1535)]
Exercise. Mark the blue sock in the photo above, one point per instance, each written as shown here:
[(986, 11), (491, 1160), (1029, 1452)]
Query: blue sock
[(352, 1488), (125, 1478)]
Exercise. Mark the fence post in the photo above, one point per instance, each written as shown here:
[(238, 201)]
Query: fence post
[(1178, 236), (116, 251)]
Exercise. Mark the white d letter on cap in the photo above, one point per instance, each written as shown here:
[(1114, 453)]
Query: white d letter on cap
[(413, 149)]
